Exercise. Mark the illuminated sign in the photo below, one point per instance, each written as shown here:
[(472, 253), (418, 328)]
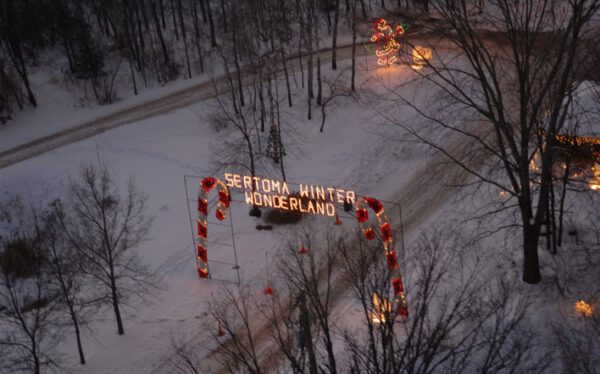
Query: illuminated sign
[(267, 192)]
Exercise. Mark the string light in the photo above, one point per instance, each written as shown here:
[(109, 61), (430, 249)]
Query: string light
[(381, 309), (593, 149), (583, 308), (386, 237), (202, 247)]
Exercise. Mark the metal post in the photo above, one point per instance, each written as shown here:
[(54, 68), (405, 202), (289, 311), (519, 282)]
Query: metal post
[(237, 266)]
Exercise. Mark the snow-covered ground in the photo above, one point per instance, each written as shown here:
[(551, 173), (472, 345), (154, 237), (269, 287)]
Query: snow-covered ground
[(353, 152), (156, 153)]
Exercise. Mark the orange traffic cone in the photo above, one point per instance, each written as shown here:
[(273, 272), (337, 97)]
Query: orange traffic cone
[(303, 251), (337, 220), (269, 290), (221, 332)]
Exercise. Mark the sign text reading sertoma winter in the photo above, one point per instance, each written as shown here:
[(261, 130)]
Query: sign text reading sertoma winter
[(276, 194)]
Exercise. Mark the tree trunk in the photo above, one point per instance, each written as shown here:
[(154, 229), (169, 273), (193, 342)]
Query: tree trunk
[(135, 91), (213, 38), (322, 117), (353, 46), (362, 5), (197, 36), (174, 20), (310, 93), (262, 101), (115, 302), (312, 360), (319, 79), (335, 33), (163, 45), (203, 10), (281, 150), (78, 336), (36, 358), (287, 78), (224, 15), (237, 61), (562, 202), (184, 36), (531, 266)]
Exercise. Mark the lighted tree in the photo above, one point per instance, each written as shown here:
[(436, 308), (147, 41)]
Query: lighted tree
[(507, 96)]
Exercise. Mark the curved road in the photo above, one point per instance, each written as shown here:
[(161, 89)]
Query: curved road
[(425, 198), (176, 100)]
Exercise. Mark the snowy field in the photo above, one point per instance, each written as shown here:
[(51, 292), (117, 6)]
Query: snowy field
[(156, 154), (356, 151)]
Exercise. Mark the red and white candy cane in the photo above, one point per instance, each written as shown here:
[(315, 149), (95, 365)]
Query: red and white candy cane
[(388, 245), (206, 185)]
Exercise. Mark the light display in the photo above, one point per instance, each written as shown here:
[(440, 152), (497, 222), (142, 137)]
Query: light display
[(202, 245), (420, 56), (381, 309), (276, 194), (311, 199), (387, 45), (583, 308), (594, 184), (386, 237)]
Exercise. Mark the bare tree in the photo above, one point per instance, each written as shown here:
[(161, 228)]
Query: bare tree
[(184, 358), (578, 343), (27, 302), (509, 95), (105, 229), (460, 321), (334, 90), (64, 271), (233, 311)]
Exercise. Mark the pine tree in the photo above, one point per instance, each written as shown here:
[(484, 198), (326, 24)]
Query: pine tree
[(275, 148)]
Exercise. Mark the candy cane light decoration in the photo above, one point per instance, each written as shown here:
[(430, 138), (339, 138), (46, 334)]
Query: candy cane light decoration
[(206, 185), (388, 245)]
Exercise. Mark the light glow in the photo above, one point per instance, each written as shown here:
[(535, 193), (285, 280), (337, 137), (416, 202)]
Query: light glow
[(381, 309), (420, 57), (583, 308)]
